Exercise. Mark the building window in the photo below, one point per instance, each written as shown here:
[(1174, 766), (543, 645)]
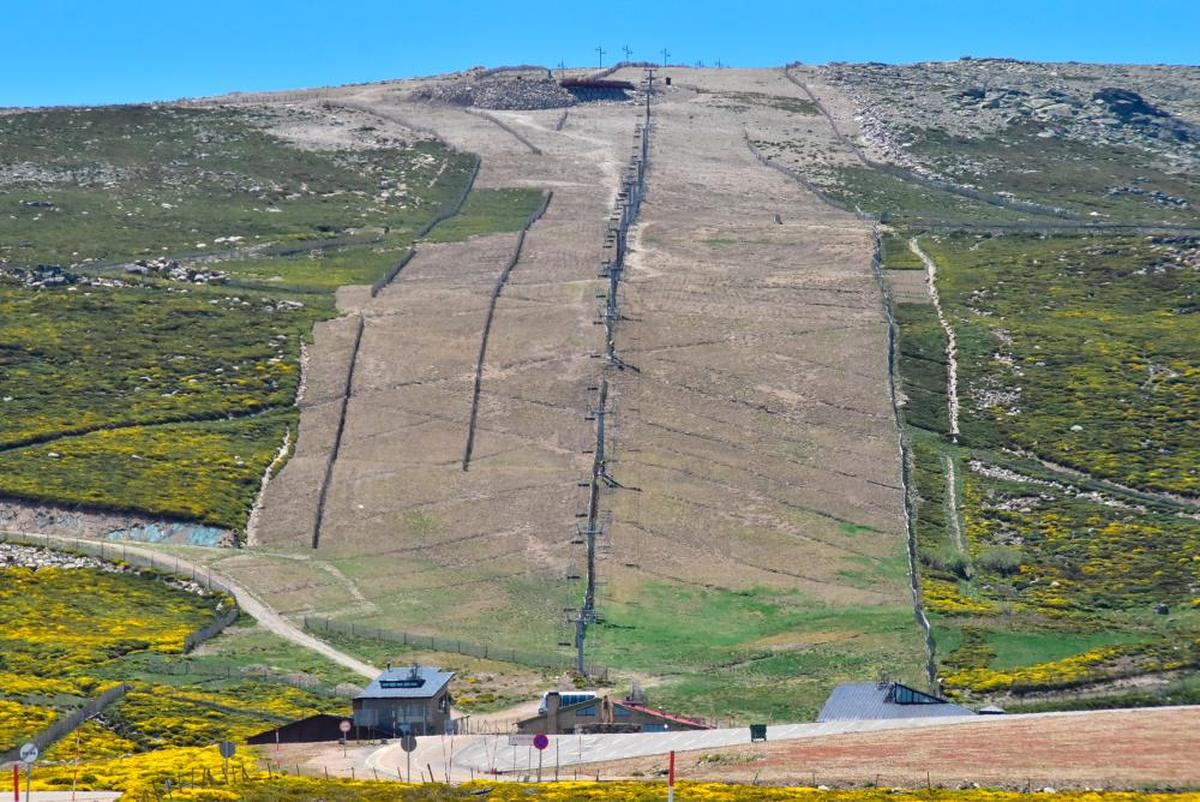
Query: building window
[(590, 710), (621, 712), (903, 695)]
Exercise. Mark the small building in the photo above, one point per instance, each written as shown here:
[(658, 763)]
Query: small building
[(413, 700), (321, 727), (883, 700), (601, 714)]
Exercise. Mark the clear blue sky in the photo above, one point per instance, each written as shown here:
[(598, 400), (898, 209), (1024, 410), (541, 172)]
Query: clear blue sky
[(104, 51)]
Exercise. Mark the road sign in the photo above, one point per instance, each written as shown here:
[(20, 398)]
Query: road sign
[(226, 748), (408, 743), (29, 752), (540, 741), (520, 740), (345, 725)]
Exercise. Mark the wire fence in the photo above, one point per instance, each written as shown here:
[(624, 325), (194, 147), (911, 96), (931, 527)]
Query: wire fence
[(64, 725), (120, 552), (545, 660), (497, 288), (517, 135)]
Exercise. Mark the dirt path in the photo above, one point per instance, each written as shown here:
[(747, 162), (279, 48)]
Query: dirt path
[(268, 618), (952, 505), (951, 340)]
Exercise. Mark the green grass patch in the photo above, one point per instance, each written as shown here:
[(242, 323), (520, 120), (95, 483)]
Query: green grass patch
[(488, 211), (1014, 648), (754, 653)]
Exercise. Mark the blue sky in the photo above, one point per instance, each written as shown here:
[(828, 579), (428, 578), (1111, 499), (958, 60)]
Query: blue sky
[(104, 51)]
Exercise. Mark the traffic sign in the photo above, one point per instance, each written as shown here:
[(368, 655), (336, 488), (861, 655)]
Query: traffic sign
[(226, 748), (29, 752), (345, 725), (520, 740), (408, 743), (540, 741)]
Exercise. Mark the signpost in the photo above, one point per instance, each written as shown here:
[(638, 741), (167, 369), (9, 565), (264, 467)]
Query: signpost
[(29, 753), (226, 748), (671, 778), (540, 742), (345, 728), (409, 744)]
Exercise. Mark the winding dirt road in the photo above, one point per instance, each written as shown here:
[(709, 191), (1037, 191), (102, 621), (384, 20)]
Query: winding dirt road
[(181, 566)]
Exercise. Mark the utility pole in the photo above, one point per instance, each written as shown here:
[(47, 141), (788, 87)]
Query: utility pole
[(627, 53), (719, 64), (562, 69), (600, 50), (666, 54)]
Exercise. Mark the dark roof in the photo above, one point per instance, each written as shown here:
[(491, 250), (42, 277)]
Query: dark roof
[(414, 682), (874, 700), (639, 708), (650, 711), (595, 700), (594, 83)]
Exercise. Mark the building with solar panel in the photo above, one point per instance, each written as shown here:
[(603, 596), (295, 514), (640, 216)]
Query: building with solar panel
[(412, 700)]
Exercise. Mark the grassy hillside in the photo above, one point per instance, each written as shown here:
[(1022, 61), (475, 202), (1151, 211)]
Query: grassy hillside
[(1076, 351), (146, 390)]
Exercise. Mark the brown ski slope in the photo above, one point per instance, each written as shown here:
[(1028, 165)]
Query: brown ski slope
[(758, 428), (436, 548), (759, 412)]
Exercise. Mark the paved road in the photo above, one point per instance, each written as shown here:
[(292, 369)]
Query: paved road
[(470, 756), (253, 606)]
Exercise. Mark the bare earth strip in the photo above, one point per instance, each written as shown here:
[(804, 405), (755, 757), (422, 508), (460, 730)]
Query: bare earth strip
[(757, 428), (1103, 749), (413, 531)]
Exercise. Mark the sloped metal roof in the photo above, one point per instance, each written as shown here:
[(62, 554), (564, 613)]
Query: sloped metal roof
[(421, 682), (873, 700)]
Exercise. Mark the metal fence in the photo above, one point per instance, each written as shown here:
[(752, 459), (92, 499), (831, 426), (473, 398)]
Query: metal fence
[(497, 288), (557, 662), (64, 725), (302, 681)]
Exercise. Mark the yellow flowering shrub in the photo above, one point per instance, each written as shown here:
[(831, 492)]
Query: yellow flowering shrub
[(145, 772), (1095, 664), (297, 789), (157, 716), (18, 722), (90, 741), (61, 630), (943, 597)]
